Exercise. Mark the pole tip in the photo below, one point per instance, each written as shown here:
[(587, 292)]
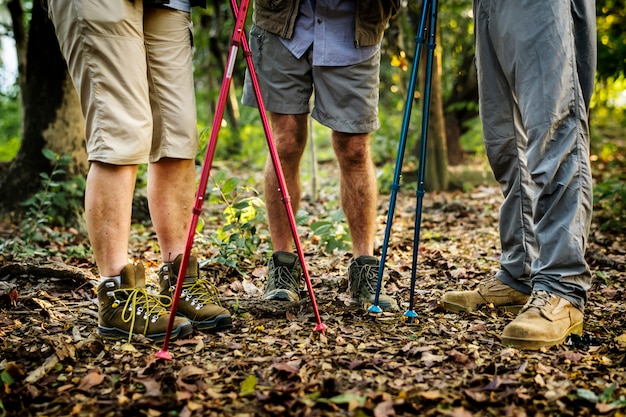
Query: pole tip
[(410, 314), (163, 354), (321, 327), (375, 309)]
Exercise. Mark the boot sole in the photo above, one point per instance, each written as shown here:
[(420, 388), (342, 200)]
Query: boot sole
[(222, 322), (456, 308), (534, 344), (113, 333), (281, 295), (385, 306)]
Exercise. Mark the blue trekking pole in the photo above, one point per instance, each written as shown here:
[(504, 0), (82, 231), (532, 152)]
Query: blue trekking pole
[(423, 32)]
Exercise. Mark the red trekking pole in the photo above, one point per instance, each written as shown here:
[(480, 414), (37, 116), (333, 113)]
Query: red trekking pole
[(238, 39)]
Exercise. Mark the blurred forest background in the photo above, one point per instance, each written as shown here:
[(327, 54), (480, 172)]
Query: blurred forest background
[(43, 162)]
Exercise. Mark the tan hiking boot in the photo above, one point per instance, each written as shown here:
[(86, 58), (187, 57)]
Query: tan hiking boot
[(546, 320), (127, 308), (199, 299), (490, 292), (362, 282)]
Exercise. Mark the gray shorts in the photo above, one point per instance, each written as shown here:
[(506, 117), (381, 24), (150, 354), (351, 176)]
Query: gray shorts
[(346, 98)]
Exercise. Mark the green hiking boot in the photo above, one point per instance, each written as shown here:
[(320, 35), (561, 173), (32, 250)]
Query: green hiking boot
[(128, 308), (362, 280), (546, 320), (283, 277), (490, 292), (199, 299)]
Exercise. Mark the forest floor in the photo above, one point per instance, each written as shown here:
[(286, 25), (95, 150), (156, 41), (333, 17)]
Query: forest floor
[(274, 363)]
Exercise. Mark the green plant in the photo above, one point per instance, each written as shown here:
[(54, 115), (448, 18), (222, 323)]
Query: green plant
[(58, 203), (236, 237), (610, 204), (604, 402), (331, 232)]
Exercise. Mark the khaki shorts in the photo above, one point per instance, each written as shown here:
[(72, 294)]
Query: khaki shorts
[(346, 98), (134, 76)]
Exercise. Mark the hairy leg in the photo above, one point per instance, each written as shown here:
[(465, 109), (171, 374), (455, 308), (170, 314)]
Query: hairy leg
[(290, 135), (171, 191), (359, 192), (108, 209)]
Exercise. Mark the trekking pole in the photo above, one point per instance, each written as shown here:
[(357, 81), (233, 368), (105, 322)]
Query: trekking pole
[(279, 172), (204, 178), (420, 39), (238, 39)]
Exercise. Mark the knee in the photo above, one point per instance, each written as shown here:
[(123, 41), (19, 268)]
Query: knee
[(351, 149), (290, 148)]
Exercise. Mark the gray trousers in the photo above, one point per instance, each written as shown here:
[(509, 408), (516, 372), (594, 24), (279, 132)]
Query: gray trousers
[(536, 62)]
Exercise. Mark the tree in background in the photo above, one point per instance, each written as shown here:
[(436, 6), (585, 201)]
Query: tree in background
[(51, 116)]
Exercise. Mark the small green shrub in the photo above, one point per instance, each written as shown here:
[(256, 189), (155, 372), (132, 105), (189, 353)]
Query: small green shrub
[(609, 198), (58, 203), (331, 232), (243, 210)]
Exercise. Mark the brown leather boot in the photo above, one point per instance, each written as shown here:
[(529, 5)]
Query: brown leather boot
[(490, 292), (546, 320), (199, 299), (128, 308)]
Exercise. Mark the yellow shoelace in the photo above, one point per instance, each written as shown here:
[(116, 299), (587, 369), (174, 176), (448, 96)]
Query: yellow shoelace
[(200, 292), (140, 302)]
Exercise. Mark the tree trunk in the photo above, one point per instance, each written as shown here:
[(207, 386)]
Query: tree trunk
[(464, 97), (51, 114), (20, 37), (436, 159), (437, 171)]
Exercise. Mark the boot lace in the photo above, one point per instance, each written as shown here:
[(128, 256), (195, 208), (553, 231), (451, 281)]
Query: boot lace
[(282, 277), (366, 277), (141, 303), (199, 293), (539, 299)]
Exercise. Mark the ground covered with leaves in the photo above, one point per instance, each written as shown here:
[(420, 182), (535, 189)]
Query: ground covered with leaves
[(273, 362)]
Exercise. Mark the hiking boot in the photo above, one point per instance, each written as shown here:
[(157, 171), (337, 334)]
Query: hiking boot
[(362, 280), (546, 320), (490, 292), (283, 277), (128, 308), (199, 299)]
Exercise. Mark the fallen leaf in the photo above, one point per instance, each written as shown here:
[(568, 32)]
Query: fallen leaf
[(41, 371), (248, 386), (384, 409), (13, 295), (92, 379)]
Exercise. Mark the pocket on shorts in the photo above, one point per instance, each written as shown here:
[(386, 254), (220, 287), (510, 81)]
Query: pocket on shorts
[(258, 38), (105, 10)]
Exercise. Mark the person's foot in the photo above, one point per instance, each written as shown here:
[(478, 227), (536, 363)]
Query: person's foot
[(546, 320), (283, 277), (362, 281), (490, 292), (127, 308), (199, 299)]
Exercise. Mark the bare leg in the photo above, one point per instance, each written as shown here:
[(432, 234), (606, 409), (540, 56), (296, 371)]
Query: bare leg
[(290, 135), (171, 191), (359, 192), (108, 209)]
